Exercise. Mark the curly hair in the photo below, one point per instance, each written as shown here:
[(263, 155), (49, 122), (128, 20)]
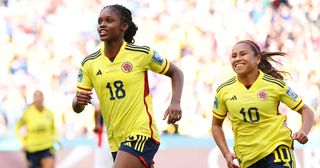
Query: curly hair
[(126, 18)]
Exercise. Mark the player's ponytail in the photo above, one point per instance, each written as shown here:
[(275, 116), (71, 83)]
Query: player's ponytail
[(266, 59), (266, 67), (130, 33), (126, 18)]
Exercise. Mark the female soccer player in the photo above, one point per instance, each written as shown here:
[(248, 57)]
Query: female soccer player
[(251, 100), (118, 73), (40, 133)]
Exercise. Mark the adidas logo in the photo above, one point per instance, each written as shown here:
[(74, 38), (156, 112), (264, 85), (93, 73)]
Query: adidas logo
[(234, 97), (99, 72)]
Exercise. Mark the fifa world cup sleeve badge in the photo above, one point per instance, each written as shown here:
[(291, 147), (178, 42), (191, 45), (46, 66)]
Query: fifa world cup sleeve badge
[(80, 76)]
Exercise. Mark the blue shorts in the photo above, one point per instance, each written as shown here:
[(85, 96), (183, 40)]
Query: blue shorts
[(140, 146), (34, 158), (281, 157)]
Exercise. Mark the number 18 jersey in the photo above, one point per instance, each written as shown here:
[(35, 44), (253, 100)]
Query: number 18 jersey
[(122, 89), (258, 126)]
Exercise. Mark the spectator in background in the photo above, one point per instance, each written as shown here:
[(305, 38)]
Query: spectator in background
[(251, 100), (40, 134)]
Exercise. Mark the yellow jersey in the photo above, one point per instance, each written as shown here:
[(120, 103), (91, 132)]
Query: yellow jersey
[(40, 129), (259, 128), (122, 89)]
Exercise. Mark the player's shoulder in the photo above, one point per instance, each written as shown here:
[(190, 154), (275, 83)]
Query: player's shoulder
[(29, 109), (270, 79), (138, 48), (92, 56), (49, 111), (227, 83)]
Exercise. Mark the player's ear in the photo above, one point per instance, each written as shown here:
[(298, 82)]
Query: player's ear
[(258, 59), (124, 26)]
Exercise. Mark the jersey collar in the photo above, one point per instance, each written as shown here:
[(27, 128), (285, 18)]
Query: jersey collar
[(124, 44), (261, 74)]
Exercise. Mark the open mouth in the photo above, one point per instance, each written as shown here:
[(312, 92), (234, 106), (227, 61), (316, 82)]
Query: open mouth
[(239, 65), (103, 32)]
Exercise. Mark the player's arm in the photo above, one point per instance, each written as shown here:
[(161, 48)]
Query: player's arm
[(84, 89), (97, 117), (295, 102), (20, 123), (53, 128), (220, 140), (174, 112), (80, 100), (307, 122)]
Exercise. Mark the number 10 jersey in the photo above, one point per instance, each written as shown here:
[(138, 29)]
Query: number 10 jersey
[(259, 128)]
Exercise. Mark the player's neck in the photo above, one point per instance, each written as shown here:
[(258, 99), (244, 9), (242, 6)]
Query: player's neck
[(112, 48), (248, 79), (39, 107)]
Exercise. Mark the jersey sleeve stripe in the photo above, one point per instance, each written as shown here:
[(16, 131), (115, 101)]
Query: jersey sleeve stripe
[(138, 47), (229, 82), (274, 81), (165, 69), (92, 56), (270, 77), (218, 115), (84, 89), (297, 105), (139, 50)]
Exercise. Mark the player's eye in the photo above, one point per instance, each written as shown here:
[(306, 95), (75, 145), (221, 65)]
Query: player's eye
[(243, 53), (109, 20), (99, 21)]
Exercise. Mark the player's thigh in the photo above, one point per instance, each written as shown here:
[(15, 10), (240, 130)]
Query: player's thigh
[(127, 160), (47, 162), (47, 158)]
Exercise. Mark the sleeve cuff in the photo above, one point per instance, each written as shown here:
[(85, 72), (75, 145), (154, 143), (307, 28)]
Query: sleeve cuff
[(218, 115), (166, 67), (82, 89), (298, 106)]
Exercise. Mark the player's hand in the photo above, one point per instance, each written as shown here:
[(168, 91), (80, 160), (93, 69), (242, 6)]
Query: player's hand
[(24, 149), (97, 129), (83, 98), (59, 144), (230, 157), (300, 136), (173, 113)]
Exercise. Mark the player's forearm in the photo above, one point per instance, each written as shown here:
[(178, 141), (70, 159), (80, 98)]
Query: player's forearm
[(176, 76), (18, 133), (307, 119), (96, 118), (220, 139)]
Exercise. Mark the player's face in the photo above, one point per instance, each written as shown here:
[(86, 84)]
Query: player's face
[(38, 98), (110, 25), (243, 60)]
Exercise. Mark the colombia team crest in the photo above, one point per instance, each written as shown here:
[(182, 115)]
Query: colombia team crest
[(126, 67), (262, 95)]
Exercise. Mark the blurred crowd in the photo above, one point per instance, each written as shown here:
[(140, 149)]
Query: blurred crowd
[(42, 44)]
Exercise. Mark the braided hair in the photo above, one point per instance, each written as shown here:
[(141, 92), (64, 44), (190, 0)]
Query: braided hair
[(126, 18), (266, 57)]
